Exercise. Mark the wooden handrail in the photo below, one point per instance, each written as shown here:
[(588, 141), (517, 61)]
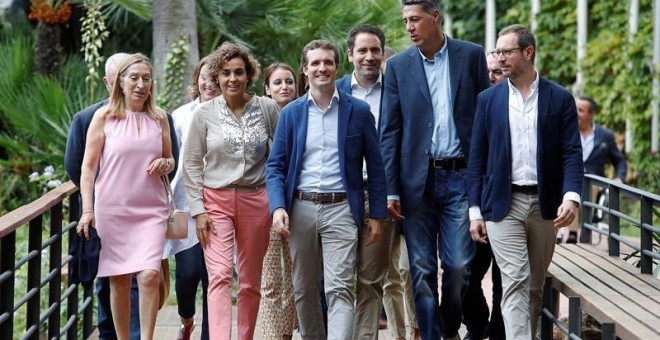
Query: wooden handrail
[(18, 217)]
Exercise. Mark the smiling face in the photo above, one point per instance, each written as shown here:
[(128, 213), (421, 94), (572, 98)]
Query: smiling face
[(320, 68), (281, 86), (367, 57), (208, 88), (135, 83), (422, 27), (233, 78)]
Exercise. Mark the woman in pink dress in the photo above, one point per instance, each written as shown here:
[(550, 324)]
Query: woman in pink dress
[(129, 143)]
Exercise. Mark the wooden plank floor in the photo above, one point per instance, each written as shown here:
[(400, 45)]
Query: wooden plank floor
[(610, 290)]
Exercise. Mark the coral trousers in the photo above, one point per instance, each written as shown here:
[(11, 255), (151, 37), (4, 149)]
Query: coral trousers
[(240, 217)]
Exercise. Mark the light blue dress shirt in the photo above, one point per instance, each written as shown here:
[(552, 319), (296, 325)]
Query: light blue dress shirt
[(320, 168), (445, 143)]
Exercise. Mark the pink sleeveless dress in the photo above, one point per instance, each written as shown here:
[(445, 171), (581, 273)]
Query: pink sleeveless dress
[(130, 205)]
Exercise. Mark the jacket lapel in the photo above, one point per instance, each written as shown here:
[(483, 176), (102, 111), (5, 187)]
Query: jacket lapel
[(543, 105), (303, 117), (417, 70), (345, 109), (455, 67)]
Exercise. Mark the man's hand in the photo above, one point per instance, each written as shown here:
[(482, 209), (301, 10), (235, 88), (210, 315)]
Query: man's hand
[(394, 210), (478, 231), (373, 231), (566, 213), (281, 222)]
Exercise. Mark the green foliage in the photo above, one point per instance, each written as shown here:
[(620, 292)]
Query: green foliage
[(93, 34), (36, 112), (278, 30), (175, 65)]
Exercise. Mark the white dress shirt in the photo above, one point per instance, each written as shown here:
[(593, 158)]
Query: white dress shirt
[(372, 96), (587, 143)]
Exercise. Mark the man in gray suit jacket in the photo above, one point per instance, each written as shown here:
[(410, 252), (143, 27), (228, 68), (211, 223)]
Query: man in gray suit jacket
[(426, 120)]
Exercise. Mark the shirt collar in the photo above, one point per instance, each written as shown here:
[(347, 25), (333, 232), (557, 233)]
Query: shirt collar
[(335, 98), (437, 54), (532, 87), (355, 84)]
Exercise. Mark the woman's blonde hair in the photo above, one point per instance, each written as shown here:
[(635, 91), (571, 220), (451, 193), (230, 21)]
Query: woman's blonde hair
[(117, 105)]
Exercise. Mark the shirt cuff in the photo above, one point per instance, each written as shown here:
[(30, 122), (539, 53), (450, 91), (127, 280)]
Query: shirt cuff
[(475, 213), (572, 196), (196, 208), (393, 197)]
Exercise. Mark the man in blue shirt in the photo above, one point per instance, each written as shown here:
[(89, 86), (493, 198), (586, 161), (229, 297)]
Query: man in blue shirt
[(316, 191), (425, 129)]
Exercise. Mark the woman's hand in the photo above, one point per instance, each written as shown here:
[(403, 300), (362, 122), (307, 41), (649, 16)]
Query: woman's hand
[(86, 220), (160, 166), (204, 223)]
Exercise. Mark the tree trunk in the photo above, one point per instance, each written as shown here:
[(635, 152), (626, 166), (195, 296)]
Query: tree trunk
[(173, 19), (47, 49)]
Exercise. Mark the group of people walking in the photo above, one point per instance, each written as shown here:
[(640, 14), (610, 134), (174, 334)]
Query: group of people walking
[(330, 197)]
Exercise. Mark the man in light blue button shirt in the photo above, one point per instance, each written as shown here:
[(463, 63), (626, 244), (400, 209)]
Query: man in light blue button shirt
[(425, 129), (316, 191)]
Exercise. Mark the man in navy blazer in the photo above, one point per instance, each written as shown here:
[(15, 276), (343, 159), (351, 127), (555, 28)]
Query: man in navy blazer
[(426, 120), (598, 147), (524, 175), (366, 44), (316, 191), (73, 157)]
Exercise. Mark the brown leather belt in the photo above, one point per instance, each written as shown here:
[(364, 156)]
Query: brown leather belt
[(525, 189), (321, 197), (449, 164)]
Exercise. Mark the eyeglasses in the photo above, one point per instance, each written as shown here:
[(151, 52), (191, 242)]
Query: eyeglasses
[(506, 53)]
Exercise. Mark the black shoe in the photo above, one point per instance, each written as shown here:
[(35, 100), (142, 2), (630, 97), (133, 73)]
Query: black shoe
[(572, 238)]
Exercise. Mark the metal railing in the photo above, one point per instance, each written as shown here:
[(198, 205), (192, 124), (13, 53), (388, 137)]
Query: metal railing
[(644, 222), (32, 216)]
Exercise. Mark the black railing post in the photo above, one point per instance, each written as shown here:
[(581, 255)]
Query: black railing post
[(34, 276), (585, 233), (549, 304), (612, 244), (88, 313), (646, 236), (7, 263), (55, 285), (72, 301), (574, 316)]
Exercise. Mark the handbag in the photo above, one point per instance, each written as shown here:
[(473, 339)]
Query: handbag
[(177, 220)]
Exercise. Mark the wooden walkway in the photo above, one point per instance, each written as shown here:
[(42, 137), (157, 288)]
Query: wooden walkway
[(167, 324)]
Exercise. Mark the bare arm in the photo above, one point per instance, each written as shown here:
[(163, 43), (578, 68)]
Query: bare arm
[(93, 148)]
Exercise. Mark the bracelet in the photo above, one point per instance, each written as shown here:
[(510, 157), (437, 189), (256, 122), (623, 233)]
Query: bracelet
[(88, 212)]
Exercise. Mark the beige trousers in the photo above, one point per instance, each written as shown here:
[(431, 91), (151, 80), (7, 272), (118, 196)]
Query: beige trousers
[(397, 290), (523, 244)]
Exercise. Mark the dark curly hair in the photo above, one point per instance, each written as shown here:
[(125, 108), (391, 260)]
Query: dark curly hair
[(228, 51)]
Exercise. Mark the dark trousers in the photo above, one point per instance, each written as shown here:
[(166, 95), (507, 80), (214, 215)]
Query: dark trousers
[(105, 323), (190, 271), (475, 307)]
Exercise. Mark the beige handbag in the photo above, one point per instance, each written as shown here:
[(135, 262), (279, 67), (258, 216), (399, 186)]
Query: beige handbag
[(177, 220)]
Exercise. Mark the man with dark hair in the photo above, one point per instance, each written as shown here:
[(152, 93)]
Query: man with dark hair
[(365, 51), (426, 120), (598, 147), (315, 181), (524, 175)]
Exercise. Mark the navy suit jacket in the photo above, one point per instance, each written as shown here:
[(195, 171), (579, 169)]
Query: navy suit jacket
[(559, 166), (407, 118), (357, 140), (605, 149), (75, 143), (344, 84)]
